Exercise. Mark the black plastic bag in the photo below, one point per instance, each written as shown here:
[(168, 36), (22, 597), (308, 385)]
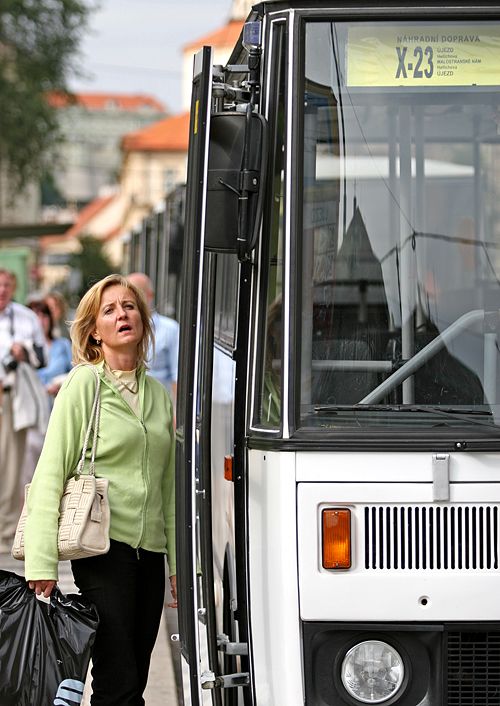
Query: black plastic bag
[(44, 647)]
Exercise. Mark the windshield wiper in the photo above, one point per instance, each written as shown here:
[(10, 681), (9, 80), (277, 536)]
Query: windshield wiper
[(461, 414), (358, 408), (449, 410)]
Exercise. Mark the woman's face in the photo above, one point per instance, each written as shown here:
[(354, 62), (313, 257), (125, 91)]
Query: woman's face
[(118, 323), (55, 308)]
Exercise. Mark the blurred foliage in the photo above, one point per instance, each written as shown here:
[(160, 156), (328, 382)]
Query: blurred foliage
[(91, 262), (39, 43)]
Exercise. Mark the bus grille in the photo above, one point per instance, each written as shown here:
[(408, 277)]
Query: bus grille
[(431, 537), (473, 669)]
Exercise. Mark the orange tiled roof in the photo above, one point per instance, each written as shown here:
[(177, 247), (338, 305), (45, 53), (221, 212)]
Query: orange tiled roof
[(86, 214), (169, 135), (226, 36), (113, 233), (103, 101)]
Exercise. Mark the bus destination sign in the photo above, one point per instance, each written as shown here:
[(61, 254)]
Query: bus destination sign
[(422, 56)]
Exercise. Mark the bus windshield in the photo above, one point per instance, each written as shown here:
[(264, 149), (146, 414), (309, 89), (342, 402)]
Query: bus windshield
[(399, 241)]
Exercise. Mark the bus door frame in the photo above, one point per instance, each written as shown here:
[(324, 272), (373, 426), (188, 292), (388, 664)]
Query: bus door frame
[(191, 614)]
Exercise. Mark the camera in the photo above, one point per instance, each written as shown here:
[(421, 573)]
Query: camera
[(9, 362)]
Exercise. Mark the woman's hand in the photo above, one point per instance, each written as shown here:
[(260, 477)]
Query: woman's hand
[(173, 590), (53, 388), (42, 588), (18, 352)]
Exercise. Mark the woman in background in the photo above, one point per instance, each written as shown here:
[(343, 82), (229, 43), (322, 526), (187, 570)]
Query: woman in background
[(51, 377), (59, 358), (59, 309)]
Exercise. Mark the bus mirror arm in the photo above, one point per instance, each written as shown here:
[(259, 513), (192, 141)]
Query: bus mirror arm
[(254, 181), (230, 93), (248, 231), (242, 237)]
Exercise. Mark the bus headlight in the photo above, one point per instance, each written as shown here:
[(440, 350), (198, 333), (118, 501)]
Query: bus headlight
[(372, 672)]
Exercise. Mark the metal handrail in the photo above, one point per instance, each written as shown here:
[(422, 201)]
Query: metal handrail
[(416, 362)]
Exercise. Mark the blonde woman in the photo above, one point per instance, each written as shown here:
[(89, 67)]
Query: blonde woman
[(135, 452)]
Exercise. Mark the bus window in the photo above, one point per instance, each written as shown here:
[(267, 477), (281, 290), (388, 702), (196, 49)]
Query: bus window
[(226, 300), (269, 409), (400, 239)]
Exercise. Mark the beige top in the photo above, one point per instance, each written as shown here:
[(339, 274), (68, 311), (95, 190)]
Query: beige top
[(127, 385)]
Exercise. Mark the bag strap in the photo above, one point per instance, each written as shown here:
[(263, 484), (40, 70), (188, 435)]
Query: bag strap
[(93, 421)]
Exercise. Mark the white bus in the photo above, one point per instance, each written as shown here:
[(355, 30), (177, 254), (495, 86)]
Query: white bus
[(338, 441)]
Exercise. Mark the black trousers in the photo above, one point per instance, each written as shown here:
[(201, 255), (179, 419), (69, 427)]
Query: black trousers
[(128, 588)]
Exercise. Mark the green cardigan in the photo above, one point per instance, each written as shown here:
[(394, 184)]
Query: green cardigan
[(135, 455)]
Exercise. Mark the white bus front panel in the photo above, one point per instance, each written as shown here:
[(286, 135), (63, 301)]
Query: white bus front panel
[(413, 559)]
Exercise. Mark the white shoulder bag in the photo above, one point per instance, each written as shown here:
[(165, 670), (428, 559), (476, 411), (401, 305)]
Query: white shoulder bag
[(84, 514)]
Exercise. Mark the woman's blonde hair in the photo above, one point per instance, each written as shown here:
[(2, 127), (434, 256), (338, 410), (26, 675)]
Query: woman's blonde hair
[(85, 348)]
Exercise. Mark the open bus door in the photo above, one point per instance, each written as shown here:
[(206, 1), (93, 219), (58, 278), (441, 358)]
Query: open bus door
[(191, 609), (224, 196)]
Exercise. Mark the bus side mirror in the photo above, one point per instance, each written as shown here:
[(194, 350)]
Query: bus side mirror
[(233, 221)]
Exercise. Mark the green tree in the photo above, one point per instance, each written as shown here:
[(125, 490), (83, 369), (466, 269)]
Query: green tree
[(91, 262), (39, 42)]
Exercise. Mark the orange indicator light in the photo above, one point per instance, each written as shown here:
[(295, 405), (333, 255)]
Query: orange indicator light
[(228, 467), (336, 539)]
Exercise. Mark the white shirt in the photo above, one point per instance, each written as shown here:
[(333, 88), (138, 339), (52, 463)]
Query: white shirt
[(18, 324)]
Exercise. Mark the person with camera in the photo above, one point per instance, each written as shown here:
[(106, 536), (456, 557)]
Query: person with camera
[(22, 349)]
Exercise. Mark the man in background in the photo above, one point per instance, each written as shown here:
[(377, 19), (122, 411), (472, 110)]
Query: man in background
[(163, 363), (22, 349)]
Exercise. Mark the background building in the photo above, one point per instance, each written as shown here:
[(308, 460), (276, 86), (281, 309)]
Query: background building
[(92, 125), (151, 161), (154, 162), (155, 157)]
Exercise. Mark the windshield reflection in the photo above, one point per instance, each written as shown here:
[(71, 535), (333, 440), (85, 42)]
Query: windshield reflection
[(400, 246)]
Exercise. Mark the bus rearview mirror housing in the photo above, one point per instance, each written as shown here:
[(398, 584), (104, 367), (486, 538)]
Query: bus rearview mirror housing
[(235, 184)]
